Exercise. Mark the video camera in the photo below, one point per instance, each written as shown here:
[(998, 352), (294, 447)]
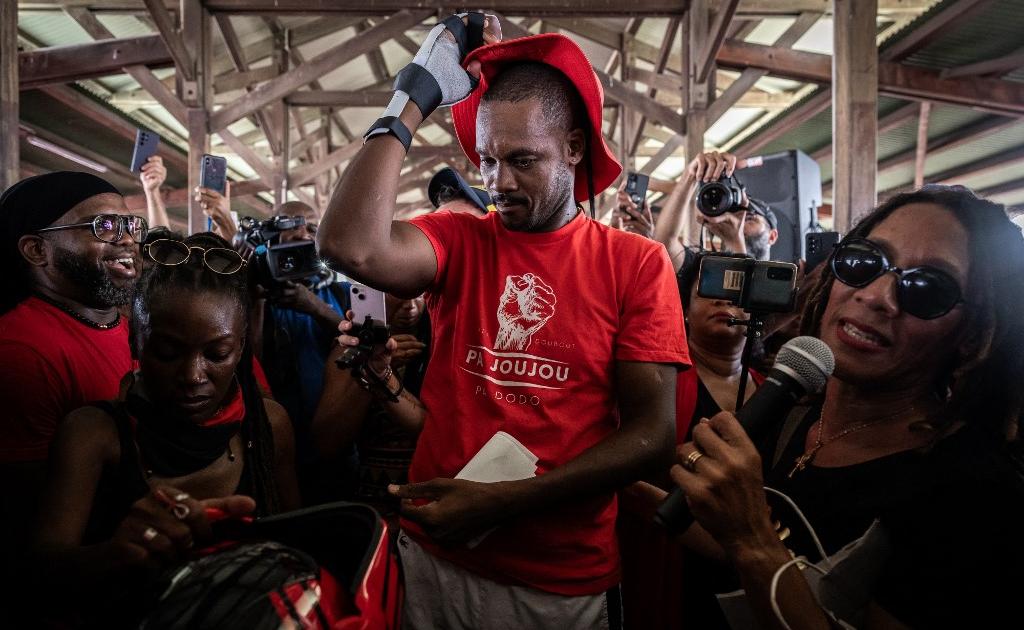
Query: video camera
[(277, 262), (718, 197)]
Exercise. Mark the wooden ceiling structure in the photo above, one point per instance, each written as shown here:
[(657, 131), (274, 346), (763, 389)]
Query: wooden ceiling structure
[(262, 99)]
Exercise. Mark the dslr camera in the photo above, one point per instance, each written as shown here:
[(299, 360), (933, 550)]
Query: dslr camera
[(277, 262), (716, 198)]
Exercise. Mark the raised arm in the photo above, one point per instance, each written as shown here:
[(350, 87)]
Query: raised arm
[(673, 213), (358, 234), (153, 175)]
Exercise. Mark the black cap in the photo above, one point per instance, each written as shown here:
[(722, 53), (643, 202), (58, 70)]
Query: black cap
[(761, 208), (451, 178)]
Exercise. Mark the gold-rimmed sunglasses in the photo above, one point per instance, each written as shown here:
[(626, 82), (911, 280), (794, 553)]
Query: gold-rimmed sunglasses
[(172, 253)]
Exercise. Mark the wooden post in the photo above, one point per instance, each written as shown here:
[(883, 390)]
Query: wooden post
[(854, 110), (198, 98), (280, 109), (921, 153), (696, 97), (9, 168)]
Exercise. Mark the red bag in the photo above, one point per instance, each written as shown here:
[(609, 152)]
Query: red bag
[(328, 567)]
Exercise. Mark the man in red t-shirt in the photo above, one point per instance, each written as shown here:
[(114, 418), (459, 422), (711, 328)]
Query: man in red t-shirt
[(549, 326), (70, 249)]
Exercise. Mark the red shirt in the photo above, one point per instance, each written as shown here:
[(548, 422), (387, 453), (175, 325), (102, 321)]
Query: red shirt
[(528, 327), (51, 364)]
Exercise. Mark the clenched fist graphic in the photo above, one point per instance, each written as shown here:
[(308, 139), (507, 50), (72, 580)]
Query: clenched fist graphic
[(526, 305)]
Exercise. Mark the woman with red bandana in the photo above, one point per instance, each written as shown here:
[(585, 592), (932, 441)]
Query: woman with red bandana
[(129, 479)]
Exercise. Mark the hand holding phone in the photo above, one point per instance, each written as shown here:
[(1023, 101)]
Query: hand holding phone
[(146, 145), (636, 187), (213, 173)]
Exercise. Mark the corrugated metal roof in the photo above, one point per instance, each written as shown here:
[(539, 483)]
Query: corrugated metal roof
[(991, 32)]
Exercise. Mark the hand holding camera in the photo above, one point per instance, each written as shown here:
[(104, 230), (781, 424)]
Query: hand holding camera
[(721, 198)]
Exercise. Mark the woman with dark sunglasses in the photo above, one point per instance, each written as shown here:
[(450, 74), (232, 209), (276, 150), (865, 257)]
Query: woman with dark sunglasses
[(129, 478), (906, 453)]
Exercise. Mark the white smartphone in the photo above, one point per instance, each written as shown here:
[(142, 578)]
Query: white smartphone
[(364, 300)]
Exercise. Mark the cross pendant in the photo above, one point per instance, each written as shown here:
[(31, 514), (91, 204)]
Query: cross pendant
[(801, 463)]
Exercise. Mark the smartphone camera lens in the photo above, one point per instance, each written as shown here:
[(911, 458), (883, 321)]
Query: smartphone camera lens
[(780, 273)]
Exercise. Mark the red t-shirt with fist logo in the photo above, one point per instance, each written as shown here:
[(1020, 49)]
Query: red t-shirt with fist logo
[(527, 328)]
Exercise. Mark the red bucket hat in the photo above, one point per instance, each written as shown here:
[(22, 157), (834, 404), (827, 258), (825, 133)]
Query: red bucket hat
[(564, 55)]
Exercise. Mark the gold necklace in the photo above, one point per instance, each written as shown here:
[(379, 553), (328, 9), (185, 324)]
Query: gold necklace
[(820, 441)]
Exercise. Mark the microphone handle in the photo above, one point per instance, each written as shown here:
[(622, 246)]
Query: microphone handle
[(772, 400)]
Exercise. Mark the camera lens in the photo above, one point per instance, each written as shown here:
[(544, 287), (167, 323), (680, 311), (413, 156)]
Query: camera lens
[(289, 263), (713, 199), (780, 273)]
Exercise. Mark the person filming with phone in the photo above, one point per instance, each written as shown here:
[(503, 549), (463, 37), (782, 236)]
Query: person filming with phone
[(552, 352)]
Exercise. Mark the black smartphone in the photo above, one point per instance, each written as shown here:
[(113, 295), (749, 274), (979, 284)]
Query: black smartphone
[(146, 144), (818, 247), (214, 173), (771, 288), (636, 188)]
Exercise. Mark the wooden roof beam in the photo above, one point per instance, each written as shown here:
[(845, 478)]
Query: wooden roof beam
[(907, 82), (997, 67), (716, 35), (142, 75), (650, 8), (66, 64), (339, 98), (750, 76), (261, 118), (172, 39), (315, 68)]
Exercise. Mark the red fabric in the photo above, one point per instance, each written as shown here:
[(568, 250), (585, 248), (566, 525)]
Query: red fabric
[(563, 54), (652, 561), (686, 399), (232, 412), (545, 378), (261, 378), (51, 364)]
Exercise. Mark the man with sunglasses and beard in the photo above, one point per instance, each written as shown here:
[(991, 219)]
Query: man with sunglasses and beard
[(70, 249)]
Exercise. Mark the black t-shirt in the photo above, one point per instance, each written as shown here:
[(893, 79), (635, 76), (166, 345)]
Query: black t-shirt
[(842, 502), (958, 558)]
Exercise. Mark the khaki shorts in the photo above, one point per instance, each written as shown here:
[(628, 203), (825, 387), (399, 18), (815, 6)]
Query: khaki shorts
[(440, 595)]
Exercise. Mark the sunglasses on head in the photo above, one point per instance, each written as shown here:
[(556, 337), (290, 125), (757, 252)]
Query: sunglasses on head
[(924, 292), (109, 228), (172, 253)]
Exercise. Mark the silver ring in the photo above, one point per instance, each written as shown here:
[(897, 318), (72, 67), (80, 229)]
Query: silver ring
[(690, 463), (181, 511), (181, 496), (149, 534)]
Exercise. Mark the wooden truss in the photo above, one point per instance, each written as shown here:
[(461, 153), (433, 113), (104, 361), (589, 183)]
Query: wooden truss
[(265, 102)]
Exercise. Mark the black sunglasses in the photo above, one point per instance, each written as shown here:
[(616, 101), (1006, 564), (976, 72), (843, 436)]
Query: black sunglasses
[(924, 292), (172, 253), (109, 228)]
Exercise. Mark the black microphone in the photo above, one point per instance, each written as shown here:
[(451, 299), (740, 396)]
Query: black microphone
[(802, 366)]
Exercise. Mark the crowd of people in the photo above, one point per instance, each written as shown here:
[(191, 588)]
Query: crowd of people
[(149, 378)]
